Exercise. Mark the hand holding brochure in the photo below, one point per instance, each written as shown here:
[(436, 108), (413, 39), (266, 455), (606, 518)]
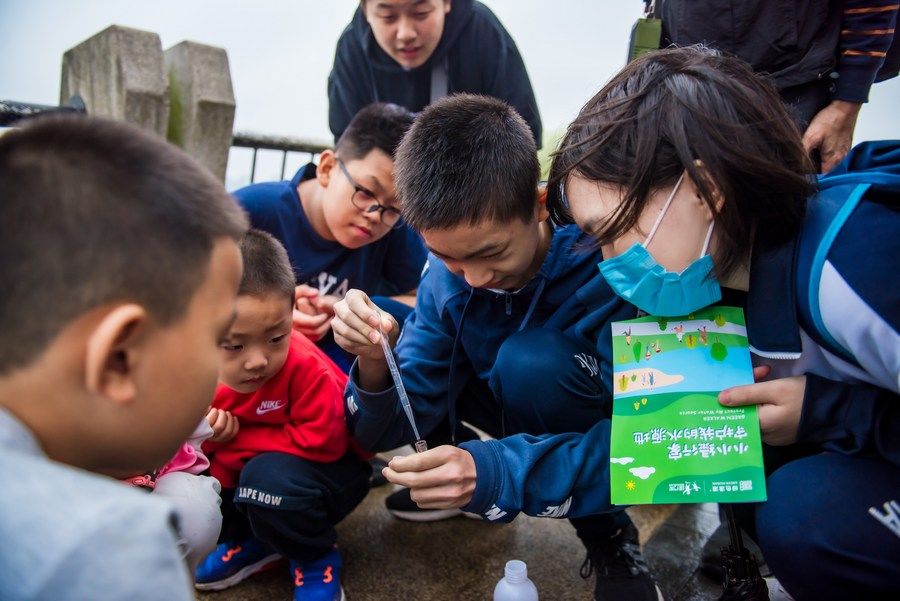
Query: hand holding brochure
[(671, 441)]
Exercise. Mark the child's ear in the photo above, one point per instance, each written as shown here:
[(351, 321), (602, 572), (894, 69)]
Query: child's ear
[(325, 168), (112, 351), (540, 210)]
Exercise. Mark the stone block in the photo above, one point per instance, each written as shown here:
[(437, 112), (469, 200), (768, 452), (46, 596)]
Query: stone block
[(202, 103), (120, 74)]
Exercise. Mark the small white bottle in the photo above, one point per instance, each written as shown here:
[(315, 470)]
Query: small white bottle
[(515, 585)]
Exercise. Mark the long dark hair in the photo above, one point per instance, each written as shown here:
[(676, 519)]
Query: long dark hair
[(691, 109)]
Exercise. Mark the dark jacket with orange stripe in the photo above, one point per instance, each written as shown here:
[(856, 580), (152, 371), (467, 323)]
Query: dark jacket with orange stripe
[(796, 41)]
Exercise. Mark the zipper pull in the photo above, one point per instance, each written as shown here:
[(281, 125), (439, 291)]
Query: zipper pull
[(508, 304)]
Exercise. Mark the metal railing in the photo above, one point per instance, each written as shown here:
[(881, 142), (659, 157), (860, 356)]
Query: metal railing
[(12, 111), (259, 142)]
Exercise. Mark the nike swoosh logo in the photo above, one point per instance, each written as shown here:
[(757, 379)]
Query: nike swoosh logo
[(276, 407)]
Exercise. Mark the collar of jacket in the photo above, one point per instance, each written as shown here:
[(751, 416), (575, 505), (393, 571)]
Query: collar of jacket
[(773, 329)]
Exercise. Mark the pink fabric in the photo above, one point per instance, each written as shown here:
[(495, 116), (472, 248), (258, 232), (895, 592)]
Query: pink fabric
[(189, 457)]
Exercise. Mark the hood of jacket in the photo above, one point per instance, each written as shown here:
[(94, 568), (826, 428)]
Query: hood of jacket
[(877, 162)]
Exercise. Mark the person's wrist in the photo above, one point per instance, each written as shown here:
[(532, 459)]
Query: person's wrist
[(373, 373), (847, 107)]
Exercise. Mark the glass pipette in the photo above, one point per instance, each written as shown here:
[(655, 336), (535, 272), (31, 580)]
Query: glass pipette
[(420, 444)]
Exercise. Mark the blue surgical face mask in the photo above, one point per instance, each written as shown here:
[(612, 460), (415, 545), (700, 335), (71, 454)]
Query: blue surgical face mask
[(639, 279)]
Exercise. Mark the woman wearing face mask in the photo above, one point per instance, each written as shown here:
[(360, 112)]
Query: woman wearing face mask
[(412, 52), (689, 173)]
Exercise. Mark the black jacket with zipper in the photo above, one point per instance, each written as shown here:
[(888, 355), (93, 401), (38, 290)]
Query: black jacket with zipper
[(481, 56)]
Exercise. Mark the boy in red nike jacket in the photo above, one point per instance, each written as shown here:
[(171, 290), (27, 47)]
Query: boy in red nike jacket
[(280, 446)]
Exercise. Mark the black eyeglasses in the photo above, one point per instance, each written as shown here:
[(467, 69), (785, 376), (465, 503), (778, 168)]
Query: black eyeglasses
[(365, 201)]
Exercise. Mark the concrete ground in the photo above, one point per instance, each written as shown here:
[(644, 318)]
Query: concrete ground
[(389, 559)]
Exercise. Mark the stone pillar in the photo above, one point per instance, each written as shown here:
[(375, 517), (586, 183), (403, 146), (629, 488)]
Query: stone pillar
[(202, 103), (120, 74)]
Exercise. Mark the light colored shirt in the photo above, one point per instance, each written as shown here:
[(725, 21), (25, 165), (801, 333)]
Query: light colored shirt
[(71, 534)]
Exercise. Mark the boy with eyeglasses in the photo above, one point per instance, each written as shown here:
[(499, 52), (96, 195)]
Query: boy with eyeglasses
[(341, 225)]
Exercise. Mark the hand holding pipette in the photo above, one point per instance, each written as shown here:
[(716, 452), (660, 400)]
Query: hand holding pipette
[(440, 478), (357, 324), (362, 329), (437, 478)]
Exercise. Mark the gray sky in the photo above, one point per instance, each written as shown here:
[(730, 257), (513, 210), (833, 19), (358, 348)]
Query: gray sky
[(281, 51)]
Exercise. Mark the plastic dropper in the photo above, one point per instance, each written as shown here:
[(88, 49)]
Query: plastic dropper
[(420, 444)]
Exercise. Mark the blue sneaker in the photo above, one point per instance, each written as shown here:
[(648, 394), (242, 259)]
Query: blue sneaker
[(318, 580), (233, 562)]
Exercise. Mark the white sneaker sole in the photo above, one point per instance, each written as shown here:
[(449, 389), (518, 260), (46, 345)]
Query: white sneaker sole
[(238, 576), (434, 515), (776, 591), (428, 515)]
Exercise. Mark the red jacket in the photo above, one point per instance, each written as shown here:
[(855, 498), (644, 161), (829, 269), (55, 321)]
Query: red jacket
[(299, 411)]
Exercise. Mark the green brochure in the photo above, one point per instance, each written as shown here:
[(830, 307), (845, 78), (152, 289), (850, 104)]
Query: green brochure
[(672, 442)]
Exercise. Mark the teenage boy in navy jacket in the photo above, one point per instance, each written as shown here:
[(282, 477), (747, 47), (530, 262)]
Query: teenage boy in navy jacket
[(484, 345)]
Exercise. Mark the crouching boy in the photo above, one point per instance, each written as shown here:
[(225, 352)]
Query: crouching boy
[(280, 447)]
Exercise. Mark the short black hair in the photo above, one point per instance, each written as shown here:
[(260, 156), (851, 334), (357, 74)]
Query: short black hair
[(267, 268), (676, 110), (467, 159), (377, 126), (94, 211)]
